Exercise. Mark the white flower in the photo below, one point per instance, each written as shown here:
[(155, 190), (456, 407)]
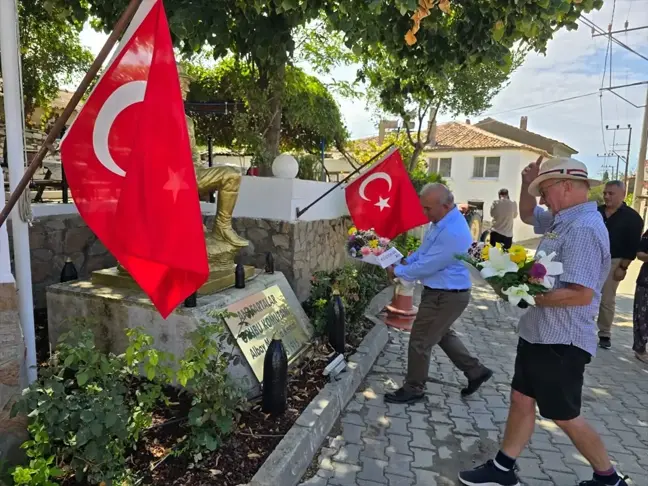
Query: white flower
[(553, 268), (517, 293), (498, 264)]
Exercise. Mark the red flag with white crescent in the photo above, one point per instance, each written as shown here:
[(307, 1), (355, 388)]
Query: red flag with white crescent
[(127, 159), (384, 199)]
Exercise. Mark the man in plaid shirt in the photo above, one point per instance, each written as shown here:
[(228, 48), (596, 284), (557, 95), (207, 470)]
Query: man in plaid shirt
[(558, 336)]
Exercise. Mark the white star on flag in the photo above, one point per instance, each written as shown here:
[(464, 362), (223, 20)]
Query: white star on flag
[(383, 203), (176, 183)]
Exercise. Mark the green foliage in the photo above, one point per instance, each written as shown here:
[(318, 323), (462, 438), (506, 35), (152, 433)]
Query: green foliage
[(363, 150), (309, 113), (357, 284), (420, 178), (39, 472), (406, 244), (310, 167), (88, 409), (215, 397), (596, 194), (80, 410), (51, 52), (262, 35)]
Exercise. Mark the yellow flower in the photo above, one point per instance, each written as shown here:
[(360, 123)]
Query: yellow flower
[(352, 230), (373, 244), (518, 254)]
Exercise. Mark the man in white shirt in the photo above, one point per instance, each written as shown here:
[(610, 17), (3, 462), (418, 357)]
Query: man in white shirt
[(503, 212)]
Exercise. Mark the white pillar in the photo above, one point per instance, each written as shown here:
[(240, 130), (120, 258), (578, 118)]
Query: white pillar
[(5, 262), (13, 106)]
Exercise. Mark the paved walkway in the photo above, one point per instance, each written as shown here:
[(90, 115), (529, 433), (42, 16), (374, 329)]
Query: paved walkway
[(428, 443)]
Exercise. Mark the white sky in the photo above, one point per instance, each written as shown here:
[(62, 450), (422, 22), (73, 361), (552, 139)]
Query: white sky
[(573, 66)]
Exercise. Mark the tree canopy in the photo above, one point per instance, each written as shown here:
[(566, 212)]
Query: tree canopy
[(51, 52), (310, 113), (261, 34)]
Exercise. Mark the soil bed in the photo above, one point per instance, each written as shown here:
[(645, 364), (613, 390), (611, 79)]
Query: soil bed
[(243, 452)]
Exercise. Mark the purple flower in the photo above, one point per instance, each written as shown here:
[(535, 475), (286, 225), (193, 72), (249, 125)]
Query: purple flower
[(538, 270)]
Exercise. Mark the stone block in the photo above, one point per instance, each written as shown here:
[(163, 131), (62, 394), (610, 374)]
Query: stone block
[(110, 311)]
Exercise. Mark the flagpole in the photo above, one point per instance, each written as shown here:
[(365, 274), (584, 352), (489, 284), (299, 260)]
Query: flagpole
[(299, 212), (13, 109), (54, 133)]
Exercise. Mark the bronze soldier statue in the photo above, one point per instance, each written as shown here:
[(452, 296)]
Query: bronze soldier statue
[(223, 243)]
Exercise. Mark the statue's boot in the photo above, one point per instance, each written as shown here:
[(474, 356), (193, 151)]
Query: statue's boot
[(223, 223)]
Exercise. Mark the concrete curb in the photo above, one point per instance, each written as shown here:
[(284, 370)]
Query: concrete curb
[(292, 456)]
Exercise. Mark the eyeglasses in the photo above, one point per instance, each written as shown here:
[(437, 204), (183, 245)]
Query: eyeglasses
[(543, 192)]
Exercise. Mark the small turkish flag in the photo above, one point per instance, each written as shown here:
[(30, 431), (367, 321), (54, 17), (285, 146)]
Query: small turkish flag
[(384, 199), (128, 161)]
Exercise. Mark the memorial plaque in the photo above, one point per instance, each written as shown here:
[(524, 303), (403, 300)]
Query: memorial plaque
[(258, 318)]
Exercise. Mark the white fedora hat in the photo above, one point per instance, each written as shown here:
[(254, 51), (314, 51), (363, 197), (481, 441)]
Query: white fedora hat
[(561, 168)]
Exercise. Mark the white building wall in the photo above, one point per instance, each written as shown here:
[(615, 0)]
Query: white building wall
[(467, 188)]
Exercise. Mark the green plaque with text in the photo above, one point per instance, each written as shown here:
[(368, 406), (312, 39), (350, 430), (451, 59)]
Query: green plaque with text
[(258, 318)]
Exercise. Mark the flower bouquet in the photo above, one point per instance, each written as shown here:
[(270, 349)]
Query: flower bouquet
[(514, 275), (367, 246)]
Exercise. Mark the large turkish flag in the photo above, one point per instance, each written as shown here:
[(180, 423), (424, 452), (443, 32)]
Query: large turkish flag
[(384, 199), (127, 159)]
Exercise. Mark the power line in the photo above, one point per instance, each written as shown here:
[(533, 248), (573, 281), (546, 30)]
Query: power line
[(592, 25), (544, 104)]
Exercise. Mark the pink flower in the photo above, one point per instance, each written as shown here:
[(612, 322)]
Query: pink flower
[(378, 251), (538, 271), (383, 241), (365, 250)]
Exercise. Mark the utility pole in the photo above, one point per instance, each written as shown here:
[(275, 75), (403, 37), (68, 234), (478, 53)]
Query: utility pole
[(605, 158), (641, 163), (626, 159)]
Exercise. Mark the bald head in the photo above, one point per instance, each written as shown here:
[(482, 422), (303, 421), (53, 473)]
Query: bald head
[(437, 201)]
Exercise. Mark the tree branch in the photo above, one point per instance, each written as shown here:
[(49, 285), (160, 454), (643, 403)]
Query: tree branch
[(430, 125)]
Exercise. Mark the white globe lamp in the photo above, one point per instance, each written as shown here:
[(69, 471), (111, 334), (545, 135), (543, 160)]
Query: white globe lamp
[(285, 166)]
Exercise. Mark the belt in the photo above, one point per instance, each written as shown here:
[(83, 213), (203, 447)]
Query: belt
[(452, 291)]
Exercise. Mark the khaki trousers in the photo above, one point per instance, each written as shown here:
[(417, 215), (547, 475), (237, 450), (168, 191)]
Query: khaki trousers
[(437, 312), (608, 301)]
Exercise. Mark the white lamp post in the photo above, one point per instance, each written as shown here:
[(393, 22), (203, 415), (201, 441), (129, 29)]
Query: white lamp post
[(285, 166)]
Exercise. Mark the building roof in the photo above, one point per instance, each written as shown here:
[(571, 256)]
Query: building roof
[(523, 136), (463, 136), (455, 136)]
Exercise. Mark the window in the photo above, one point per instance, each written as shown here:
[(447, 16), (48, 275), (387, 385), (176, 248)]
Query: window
[(442, 166), (486, 167)]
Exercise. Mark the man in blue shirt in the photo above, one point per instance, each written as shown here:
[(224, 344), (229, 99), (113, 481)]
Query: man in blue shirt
[(445, 295)]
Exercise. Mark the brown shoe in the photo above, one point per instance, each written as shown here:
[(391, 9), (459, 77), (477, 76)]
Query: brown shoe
[(643, 357)]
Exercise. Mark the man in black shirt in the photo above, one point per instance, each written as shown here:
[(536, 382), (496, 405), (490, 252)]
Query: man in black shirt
[(625, 227)]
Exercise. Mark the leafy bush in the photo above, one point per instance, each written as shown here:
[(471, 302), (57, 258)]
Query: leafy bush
[(406, 243), (310, 167), (88, 409), (215, 397), (420, 178), (357, 284)]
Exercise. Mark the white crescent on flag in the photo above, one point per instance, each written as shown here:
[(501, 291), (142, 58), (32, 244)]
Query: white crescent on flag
[(126, 95), (382, 202)]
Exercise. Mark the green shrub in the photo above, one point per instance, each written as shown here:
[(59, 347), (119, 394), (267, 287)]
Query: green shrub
[(406, 243), (88, 409), (357, 284), (215, 397)]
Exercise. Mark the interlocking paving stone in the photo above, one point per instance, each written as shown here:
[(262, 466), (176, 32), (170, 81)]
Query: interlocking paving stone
[(428, 443)]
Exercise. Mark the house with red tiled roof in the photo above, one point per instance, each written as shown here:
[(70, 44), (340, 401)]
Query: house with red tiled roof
[(478, 160)]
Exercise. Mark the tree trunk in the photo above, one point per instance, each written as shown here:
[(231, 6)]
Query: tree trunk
[(418, 148), (272, 136)]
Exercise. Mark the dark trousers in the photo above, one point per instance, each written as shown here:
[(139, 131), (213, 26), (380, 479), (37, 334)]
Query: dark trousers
[(437, 312), (505, 241)]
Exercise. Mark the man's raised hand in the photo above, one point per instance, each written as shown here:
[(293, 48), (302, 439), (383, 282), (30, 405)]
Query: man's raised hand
[(531, 171)]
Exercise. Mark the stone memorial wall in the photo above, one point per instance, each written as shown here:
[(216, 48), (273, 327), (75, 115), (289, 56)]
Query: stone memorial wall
[(299, 248)]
